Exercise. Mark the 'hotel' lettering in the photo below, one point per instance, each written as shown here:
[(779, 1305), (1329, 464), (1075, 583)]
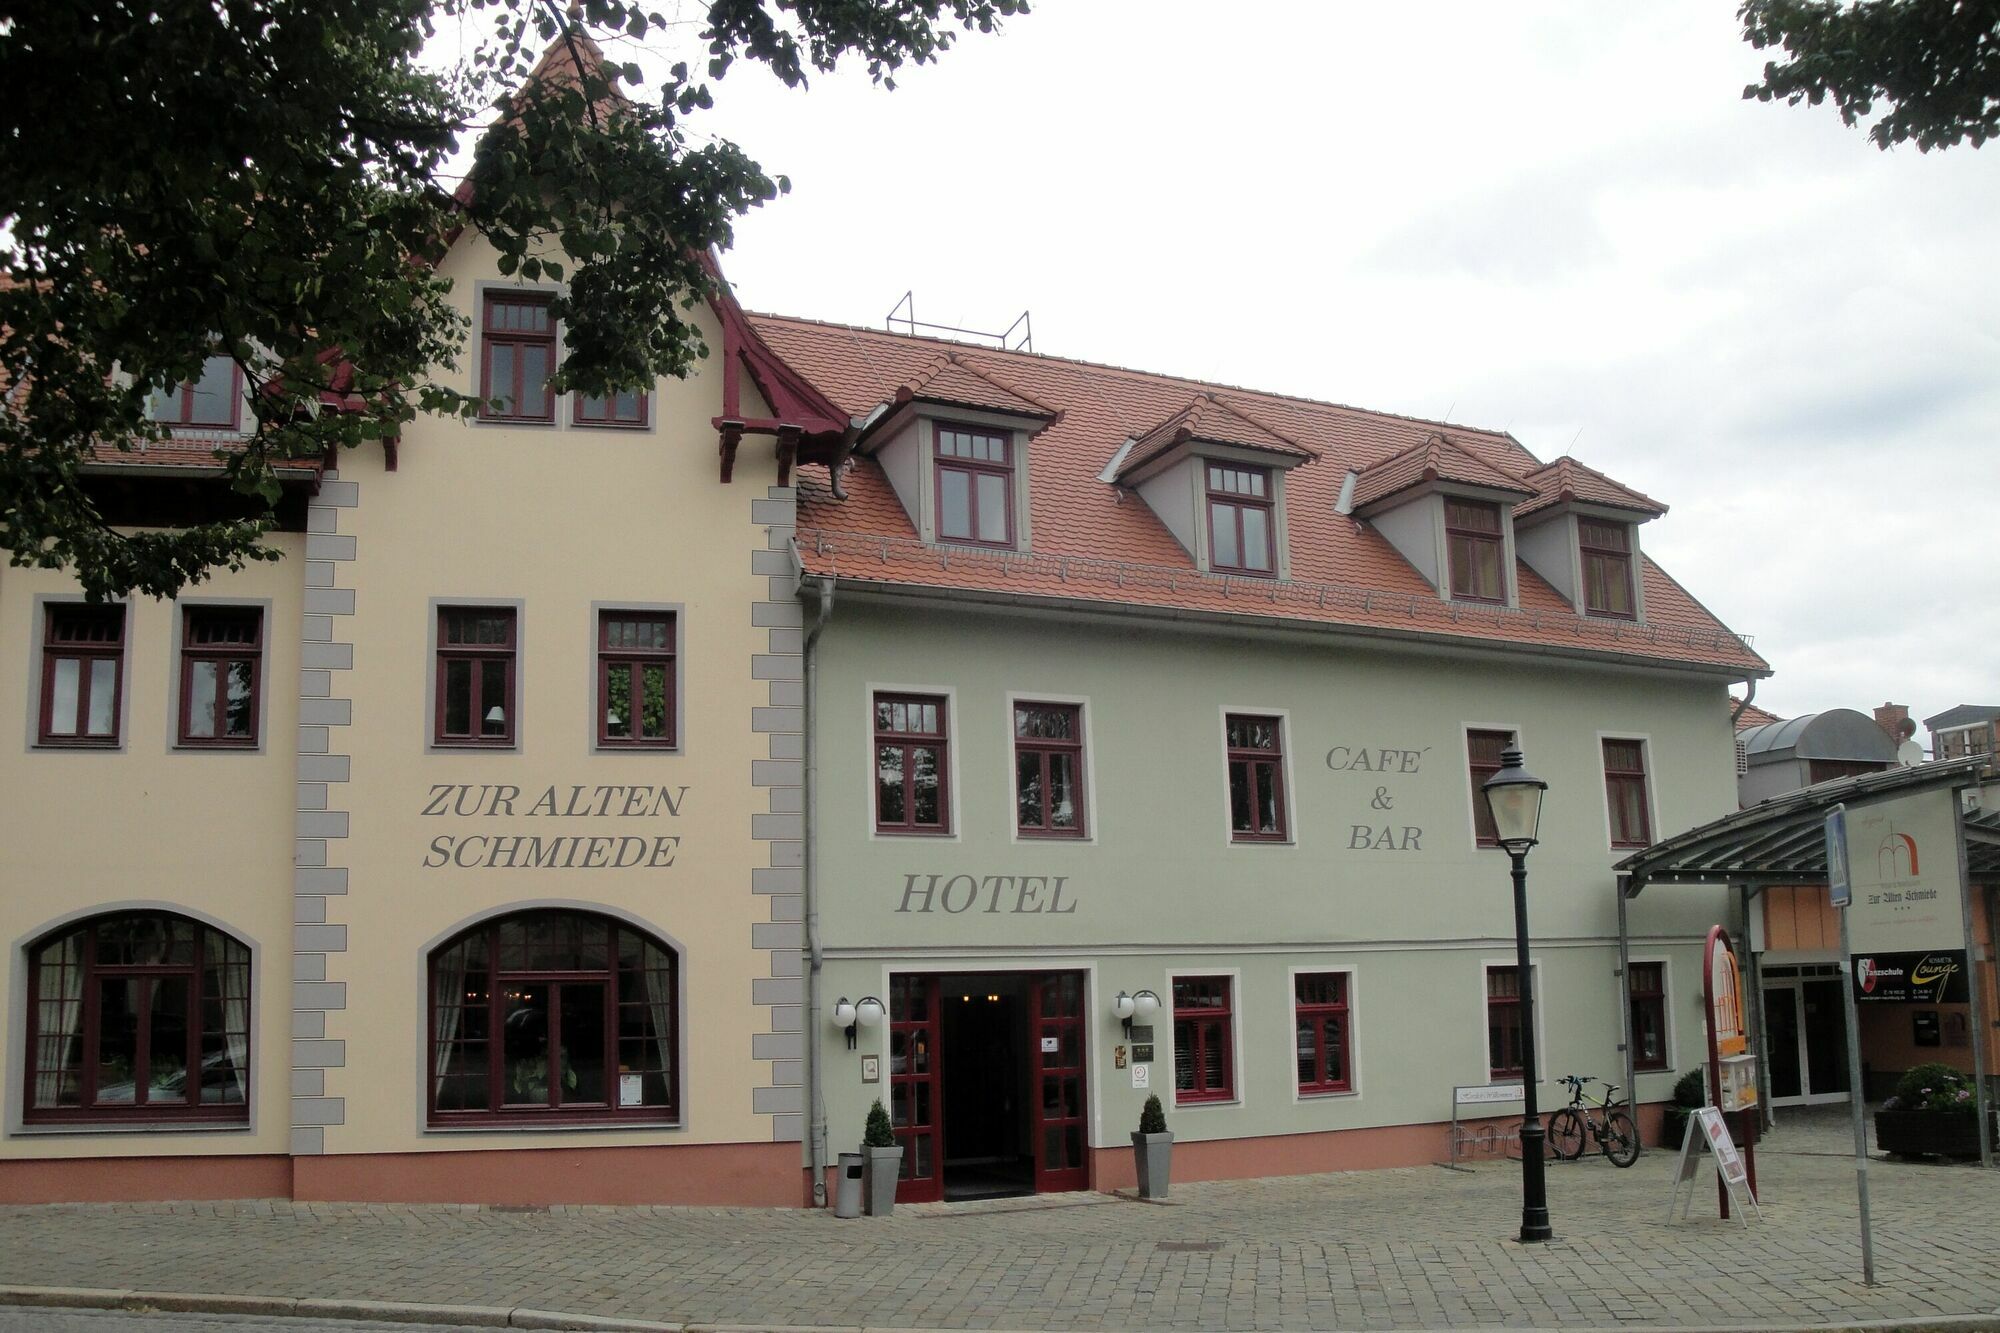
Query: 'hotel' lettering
[(958, 894)]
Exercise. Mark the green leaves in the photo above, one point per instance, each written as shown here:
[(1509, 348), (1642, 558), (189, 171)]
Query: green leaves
[(1935, 64), (267, 180)]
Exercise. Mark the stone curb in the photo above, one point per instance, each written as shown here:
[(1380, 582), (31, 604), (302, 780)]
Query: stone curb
[(492, 1316), (306, 1307)]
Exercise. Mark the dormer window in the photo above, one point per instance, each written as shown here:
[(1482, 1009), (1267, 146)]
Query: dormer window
[(975, 486), (1239, 521), (1476, 548), (1607, 567), (212, 402)]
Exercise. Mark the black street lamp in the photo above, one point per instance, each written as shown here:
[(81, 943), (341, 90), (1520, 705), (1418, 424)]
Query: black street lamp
[(1514, 795)]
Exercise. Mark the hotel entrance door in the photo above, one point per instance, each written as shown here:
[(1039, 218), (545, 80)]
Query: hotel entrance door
[(987, 1084)]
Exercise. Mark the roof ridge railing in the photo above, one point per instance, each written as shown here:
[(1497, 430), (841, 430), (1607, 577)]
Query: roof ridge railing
[(1128, 575)]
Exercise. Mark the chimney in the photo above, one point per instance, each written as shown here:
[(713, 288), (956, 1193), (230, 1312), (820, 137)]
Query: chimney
[(1890, 716)]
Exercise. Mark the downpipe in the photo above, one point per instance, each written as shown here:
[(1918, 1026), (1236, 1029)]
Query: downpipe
[(815, 1084)]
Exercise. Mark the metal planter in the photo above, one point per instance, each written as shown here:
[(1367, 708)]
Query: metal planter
[(885, 1166), (1154, 1154)]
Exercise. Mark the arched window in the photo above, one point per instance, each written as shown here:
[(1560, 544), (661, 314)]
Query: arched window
[(550, 1017), (138, 1016)]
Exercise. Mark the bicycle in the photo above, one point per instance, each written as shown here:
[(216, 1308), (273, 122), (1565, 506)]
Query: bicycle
[(1570, 1128)]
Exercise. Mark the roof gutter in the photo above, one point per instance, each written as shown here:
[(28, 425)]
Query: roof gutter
[(1305, 630)]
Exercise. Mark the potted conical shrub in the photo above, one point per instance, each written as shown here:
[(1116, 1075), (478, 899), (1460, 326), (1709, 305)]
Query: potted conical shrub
[(1153, 1150), (885, 1161)]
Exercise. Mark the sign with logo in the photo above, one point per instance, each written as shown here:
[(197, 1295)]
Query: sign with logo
[(1935, 977), (1839, 887), (1902, 860), (1483, 1094)]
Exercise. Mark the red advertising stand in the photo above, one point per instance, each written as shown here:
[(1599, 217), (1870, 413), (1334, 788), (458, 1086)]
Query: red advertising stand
[(1732, 1069)]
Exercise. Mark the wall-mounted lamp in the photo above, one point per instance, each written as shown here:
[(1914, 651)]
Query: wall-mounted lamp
[(849, 1014), (1141, 1006)]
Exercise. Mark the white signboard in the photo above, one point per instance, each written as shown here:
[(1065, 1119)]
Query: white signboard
[(1902, 860), (1142, 1076), (1480, 1094), (1707, 1124)]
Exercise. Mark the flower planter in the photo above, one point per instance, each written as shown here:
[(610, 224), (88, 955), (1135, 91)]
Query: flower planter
[(1928, 1133), (885, 1166), (1154, 1154)]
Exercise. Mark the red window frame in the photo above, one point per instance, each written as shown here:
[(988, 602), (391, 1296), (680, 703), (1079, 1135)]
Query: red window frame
[(1606, 551), (1503, 1021), (907, 740), (644, 640), (84, 634), (589, 930), (214, 965), (1482, 750), (605, 411), (1467, 538), (1203, 1025), (1042, 752), (453, 625), (1625, 793), (180, 403), (1233, 490), (223, 636), (1646, 984), (1258, 766), (516, 332), (977, 452), (1323, 1022)]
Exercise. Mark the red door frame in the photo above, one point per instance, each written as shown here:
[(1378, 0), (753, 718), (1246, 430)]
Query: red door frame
[(916, 1087), (916, 1078), (1059, 1086)]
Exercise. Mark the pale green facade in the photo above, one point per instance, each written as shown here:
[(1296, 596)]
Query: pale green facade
[(1380, 876)]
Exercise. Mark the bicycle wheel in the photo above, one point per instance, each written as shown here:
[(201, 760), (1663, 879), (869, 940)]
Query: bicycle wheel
[(1619, 1138), (1566, 1134)]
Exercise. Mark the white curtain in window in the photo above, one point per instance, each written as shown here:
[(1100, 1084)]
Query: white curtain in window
[(660, 1000), (61, 1019), (236, 1016), (448, 1003)]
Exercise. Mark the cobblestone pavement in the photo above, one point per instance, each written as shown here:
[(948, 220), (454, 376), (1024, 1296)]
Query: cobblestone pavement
[(1418, 1248)]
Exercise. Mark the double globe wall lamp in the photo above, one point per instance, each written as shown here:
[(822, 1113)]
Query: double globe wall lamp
[(1141, 1006), (1514, 797), (849, 1014)]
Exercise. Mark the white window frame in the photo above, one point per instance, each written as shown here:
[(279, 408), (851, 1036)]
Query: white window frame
[(1284, 716), (1645, 740), (1239, 1080), (1351, 972), (952, 761), (1081, 702), (1539, 1072)]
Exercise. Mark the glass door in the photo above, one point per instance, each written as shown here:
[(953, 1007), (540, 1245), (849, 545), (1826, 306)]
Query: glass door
[(1825, 1027), (1055, 1016), (916, 1107), (1781, 1024)]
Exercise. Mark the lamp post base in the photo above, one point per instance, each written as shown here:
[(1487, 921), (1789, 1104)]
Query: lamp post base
[(1534, 1153)]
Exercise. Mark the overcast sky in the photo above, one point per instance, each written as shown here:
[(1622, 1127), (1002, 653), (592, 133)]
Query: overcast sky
[(1560, 220)]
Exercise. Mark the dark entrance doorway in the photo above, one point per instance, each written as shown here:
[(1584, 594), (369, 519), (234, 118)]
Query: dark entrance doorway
[(986, 1077)]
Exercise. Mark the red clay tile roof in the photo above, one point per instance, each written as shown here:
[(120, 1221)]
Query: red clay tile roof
[(956, 383), (1210, 420), (1752, 715), (1098, 542), (1433, 459), (1567, 479)]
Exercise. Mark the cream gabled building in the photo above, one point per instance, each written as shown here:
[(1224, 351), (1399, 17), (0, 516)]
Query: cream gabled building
[(451, 857)]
